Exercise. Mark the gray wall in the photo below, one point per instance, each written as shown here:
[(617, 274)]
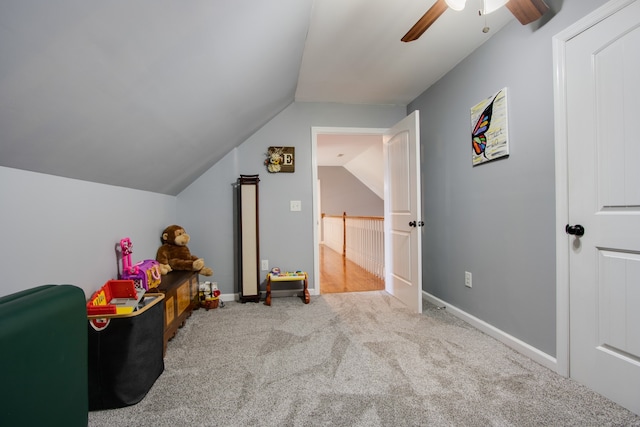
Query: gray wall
[(60, 230), (496, 220), (286, 238), (343, 192)]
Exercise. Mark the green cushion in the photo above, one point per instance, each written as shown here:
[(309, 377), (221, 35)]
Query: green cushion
[(43, 357)]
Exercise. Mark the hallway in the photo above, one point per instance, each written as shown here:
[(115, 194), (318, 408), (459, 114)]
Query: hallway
[(341, 275)]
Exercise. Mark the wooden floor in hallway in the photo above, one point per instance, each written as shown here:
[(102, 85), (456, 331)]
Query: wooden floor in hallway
[(338, 274)]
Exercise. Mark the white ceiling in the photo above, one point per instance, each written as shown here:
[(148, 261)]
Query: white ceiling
[(353, 53), (338, 150), (149, 94)]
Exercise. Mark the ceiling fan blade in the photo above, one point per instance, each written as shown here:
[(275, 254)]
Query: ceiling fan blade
[(426, 21), (527, 11)]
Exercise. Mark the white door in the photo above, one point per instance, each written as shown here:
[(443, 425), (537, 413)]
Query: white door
[(603, 149), (403, 225)]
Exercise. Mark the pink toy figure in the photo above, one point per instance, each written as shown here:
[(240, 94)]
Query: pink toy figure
[(127, 249)]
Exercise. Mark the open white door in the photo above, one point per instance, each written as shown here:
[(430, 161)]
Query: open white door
[(603, 150), (403, 220)]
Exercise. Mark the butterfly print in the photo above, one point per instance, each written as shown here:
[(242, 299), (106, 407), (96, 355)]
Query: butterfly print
[(478, 136)]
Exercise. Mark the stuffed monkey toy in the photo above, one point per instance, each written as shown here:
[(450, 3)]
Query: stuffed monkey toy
[(175, 255)]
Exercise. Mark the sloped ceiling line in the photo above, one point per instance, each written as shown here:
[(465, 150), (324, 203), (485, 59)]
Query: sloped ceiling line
[(104, 92)]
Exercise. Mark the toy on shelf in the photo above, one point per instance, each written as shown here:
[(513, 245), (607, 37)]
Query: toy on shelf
[(175, 255), (145, 274), (115, 297), (127, 249)]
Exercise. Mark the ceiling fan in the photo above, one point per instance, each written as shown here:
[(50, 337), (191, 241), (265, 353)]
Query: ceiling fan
[(525, 11)]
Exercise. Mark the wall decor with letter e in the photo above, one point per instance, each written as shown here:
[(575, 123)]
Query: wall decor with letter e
[(281, 159), (248, 239)]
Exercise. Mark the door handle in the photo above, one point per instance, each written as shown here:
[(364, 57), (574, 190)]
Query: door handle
[(412, 224), (577, 230)]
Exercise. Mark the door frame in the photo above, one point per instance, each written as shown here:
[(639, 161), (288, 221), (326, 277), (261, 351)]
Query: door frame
[(315, 131), (563, 327)]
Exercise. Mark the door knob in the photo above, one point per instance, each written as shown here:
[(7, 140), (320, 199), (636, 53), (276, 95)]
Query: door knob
[(412, 224), (577, 230)]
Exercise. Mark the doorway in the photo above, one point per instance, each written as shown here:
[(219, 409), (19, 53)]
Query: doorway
[(402, 225), (353, 154)]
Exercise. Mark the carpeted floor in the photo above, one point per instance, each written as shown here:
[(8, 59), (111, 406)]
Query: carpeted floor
[(354, 359)]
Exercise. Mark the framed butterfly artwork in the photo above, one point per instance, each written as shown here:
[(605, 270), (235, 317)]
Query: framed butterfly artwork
[(489, 136)]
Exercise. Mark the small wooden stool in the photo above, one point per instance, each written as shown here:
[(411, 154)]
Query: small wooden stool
[(300, 276)]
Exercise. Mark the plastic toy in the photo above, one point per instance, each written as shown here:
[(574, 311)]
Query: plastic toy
[(209, 295), (127, 248), (145, 274)]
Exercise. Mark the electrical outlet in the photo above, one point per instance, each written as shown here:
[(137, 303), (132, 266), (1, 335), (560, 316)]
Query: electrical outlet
[(295, 205), (467, 279), (265, 265)]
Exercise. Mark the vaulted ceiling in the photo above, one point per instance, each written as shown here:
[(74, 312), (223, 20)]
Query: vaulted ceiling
[(149, 94)]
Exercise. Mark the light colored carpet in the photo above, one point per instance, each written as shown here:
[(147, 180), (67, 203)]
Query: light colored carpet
[(354, 359)]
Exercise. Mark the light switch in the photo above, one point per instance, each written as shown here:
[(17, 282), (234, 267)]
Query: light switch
[(295, 205)]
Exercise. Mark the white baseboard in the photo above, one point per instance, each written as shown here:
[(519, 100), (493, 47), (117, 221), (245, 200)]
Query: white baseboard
[(510, 341), (229, 297)]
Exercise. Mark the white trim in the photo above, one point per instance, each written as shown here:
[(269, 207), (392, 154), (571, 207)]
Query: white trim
[(230, 297), (562, 183), (520, 346), (562, 208), (315, 131)]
